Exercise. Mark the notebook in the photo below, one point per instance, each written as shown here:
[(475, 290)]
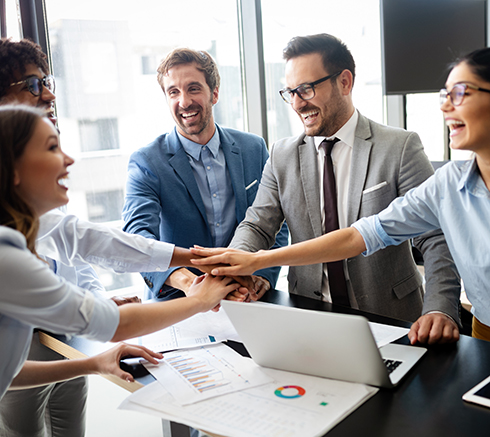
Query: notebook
[(330, 345)]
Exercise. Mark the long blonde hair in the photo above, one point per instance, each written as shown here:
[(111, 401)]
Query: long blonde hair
[(17, 125)]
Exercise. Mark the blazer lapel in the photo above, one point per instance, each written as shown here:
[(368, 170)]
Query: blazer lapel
[(308, 163), (234, 162), (180, 163), (359, 166)]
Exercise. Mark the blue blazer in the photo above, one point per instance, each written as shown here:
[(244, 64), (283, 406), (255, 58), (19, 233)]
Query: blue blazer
[(163, 200)]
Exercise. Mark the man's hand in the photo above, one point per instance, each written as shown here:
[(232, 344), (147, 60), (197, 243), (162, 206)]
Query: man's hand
[(254, 290), (261, 286), (434, 328), (124, 300), (181, 279)]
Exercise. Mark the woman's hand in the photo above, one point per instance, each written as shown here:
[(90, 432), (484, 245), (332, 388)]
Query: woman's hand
[(238, 262), (107, 363), (210, 290)]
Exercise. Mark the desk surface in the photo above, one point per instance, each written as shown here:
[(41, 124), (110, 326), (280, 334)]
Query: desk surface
[(427, 402)]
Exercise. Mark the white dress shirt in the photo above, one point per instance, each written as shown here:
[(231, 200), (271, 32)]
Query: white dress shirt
[(72, 241)]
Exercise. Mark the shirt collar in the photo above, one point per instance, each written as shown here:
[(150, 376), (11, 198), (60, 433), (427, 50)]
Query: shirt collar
[(194, 149), (346, 133), (472, 180)]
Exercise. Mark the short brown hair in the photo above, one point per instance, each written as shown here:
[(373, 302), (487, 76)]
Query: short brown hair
[(335, 54), (203, 60)]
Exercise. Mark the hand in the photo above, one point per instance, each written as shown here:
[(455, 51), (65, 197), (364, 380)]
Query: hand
[(210, 290), (261, 286), (248, 285), (181, 279), (237, 262), (107, 363), (124, 300), (434, 328), (238, 295)]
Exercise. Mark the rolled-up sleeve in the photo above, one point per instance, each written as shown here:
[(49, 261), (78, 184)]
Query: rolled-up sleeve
[(373, 234), (406, 217)]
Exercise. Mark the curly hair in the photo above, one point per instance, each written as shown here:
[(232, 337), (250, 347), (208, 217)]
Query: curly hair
[(14, 57), (17, 125), (203, 60)]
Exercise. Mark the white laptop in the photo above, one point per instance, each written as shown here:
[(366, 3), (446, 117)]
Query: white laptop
[(330, 345)]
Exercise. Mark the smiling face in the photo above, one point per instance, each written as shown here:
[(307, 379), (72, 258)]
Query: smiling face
[(469, 122), (331, 107), (20, 93), (41, 170), (191, 102)]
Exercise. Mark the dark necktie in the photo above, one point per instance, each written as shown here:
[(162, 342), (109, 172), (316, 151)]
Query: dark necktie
[(336, 277)]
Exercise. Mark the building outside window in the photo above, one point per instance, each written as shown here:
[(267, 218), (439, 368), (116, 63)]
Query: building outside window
[(109, 103), (100, 134)]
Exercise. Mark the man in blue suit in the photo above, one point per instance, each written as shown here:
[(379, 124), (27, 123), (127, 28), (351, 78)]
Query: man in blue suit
[(194, 184)]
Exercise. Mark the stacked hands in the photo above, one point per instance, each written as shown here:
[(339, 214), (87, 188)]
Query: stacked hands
[(223, 261), (209, 288), (228, 275), (235, 265), (431, 328)]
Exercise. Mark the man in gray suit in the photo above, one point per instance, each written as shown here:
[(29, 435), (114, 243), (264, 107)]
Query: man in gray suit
[(373, 164)]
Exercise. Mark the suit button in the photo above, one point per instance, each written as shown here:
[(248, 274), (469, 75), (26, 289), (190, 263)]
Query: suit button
[(318, 293), (148, 283)]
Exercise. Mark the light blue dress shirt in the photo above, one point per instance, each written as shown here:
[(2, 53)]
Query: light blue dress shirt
[(213, 180), (456, 200), (31, 295)]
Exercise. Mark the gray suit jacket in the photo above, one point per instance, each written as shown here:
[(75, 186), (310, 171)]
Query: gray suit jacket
[(386, 163)]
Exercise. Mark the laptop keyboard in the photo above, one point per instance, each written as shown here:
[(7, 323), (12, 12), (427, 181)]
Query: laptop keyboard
[(391, 364)]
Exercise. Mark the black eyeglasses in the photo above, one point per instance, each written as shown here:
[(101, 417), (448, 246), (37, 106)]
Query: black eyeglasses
[(457, 93), (35, 85), (305, 91)]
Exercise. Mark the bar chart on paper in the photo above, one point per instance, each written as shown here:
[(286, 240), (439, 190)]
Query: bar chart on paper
[(199, 373), (193, 375)]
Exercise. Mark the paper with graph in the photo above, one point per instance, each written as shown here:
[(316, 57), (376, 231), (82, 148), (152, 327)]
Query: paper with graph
[(291, 405), (196, 374)]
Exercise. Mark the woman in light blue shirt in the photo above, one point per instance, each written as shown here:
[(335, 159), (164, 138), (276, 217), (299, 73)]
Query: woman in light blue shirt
[(456, 199), (32, 171)]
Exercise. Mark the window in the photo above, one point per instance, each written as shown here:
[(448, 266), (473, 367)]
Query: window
[(12, 19), (425, 118), (355, 22), (100, 134), (105, 55), (148, 65), (105, 206)]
